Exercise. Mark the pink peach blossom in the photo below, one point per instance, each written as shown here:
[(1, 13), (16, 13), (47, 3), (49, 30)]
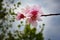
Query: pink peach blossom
[(34, 14), (20, 16)]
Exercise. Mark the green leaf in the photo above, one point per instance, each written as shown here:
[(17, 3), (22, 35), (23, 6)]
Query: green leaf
[(14, 4), (33, 30), (21, 22), (19, 26), (43, 24), (12, 13), (6, 27), (19, 3), (27, 28)]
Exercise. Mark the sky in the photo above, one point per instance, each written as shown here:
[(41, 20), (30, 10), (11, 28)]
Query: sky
[(52, 23)]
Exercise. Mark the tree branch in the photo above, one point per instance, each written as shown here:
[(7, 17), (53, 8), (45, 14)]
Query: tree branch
[(51, 14)]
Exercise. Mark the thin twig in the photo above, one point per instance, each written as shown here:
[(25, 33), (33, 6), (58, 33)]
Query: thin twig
[(51, 14)]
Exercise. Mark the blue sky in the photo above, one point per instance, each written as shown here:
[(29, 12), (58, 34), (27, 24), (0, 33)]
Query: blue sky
[(52, 23)]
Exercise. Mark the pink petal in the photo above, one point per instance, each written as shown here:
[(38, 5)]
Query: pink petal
[(34, 23)]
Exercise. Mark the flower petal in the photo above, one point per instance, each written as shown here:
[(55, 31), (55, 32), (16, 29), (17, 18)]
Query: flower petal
[(34, 24)]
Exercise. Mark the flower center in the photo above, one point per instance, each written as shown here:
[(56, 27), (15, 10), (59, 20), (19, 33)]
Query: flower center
[(21, 16), (34, 15)]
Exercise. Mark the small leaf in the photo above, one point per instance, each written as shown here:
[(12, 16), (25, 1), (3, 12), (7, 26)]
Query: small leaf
[(13, 20), (6, 27), (12, 13), (21, 22), (43, 24), (14, 4), (19, 26), (19, 3)]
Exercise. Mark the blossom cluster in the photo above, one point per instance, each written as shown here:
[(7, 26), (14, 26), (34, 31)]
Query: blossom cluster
[(32, 13)]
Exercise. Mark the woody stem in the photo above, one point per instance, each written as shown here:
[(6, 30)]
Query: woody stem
[(51, 14)]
